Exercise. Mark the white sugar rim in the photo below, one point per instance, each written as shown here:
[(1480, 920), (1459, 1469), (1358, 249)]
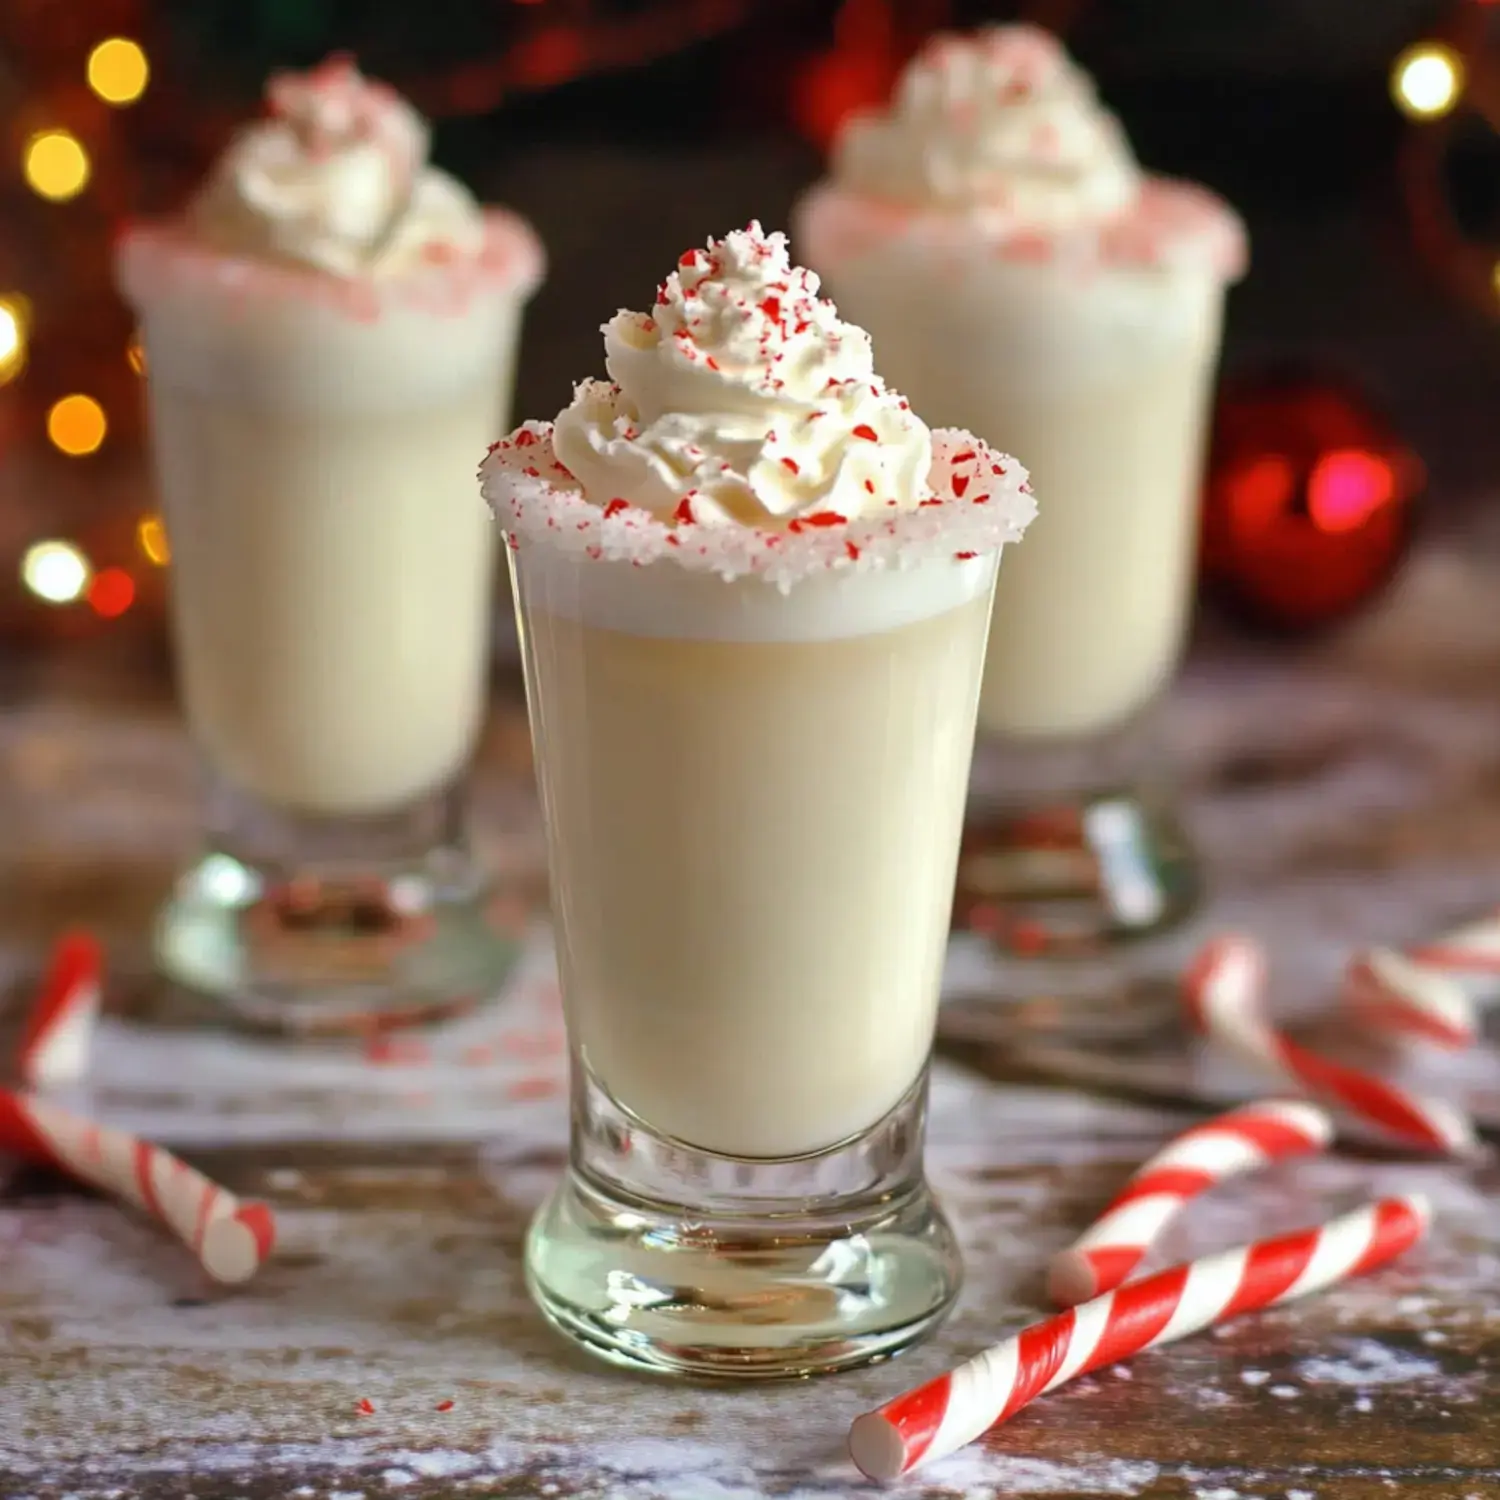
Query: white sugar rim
[(978, 501)]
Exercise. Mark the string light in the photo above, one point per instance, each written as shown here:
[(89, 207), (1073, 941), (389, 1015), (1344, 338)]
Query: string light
[(76, 425), (56, 165), (112, 592), (118, 71), (1427, 80), (55, 571), (13, 322), (152, 536)]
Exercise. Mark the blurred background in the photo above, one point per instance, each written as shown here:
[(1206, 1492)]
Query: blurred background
[(1358, 137)]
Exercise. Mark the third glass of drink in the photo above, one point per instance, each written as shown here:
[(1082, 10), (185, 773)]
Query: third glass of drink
[(754, 593), (330, 332), (1022, 278)]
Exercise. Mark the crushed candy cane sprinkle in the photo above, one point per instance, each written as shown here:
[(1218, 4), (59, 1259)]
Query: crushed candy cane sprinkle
[(744, 431)]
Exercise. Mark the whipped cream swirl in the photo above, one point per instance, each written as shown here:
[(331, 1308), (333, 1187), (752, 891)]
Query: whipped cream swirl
[(337, 178), (1000, 123), (742, 398)]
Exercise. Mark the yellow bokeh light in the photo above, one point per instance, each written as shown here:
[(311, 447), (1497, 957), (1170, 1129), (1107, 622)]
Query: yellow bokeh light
[(76, 424), (13, 320), (151, 533), (118, 70), (56, 165), (55, 571), (1427, 80)]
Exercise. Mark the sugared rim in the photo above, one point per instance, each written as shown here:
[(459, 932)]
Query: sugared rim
[(979, 500), (159, 255), (1171, 225)]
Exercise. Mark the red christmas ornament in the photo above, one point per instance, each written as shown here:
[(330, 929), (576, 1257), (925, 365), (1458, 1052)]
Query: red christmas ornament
[(1308, 507)]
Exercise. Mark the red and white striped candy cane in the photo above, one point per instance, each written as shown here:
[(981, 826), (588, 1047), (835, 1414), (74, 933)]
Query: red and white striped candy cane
[(60, 1028), (230, 1237), (1222, 992), (1394, 996), (1471, 949), (1112, 1247), (943, 1415)]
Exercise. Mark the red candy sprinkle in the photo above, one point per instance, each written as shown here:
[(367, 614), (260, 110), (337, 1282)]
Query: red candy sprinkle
[(852, 550), (790, 465), (960, 484), (965, 556), (525, 438), (616, 506), (443, 1406), (964, 457), (771, 307), (684, 513), (870, 485), (366, 1407), (825, 518), (865, 431)]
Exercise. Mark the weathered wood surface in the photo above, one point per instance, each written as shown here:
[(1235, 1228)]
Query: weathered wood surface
[(1350, 794)]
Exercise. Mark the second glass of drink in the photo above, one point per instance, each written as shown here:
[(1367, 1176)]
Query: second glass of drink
[(330, 332), (1024, 279)]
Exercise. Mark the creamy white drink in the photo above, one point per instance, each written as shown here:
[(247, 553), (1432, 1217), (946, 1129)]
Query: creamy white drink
[(1022, 278), (330, 333), (754, 593)]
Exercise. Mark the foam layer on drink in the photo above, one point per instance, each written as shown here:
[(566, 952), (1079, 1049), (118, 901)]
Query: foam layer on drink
[(688, 605)]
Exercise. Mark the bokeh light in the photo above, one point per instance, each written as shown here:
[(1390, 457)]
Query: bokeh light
[(1427, 80), (135, 354), (56, 165), (151, 533), (118, 70), (112, 592), (55, 571), (76, 425), (13, 327)]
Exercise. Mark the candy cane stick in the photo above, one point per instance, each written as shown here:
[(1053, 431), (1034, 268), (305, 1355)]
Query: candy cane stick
[(943, 1415), (55, 1044), (1222, 993), (1394, 996), (230, 1237), (1473, 948), (1234, 1143)]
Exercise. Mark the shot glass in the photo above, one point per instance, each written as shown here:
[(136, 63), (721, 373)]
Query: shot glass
[(753, 800)]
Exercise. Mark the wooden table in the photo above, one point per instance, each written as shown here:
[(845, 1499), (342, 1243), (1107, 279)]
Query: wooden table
[(1338, 796)]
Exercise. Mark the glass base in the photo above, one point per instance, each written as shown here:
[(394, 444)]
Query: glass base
[(311, 925), (664, 1258), (1072, 848)]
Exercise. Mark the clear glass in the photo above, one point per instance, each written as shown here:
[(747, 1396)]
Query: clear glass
[(332, 584), (1100, 383), (753, 806)]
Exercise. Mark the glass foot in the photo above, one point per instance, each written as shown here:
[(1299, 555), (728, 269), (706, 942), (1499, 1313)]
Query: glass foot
[(755, 1270), (1073, 879), (323, 928)]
